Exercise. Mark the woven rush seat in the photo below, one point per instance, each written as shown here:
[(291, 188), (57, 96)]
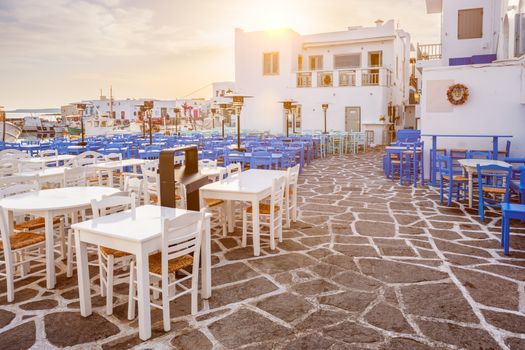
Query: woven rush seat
[(155, 263), (456, 178), (23, 239), (34, 224), (493, 190), (110, 251), (263, 209), (211, 202)]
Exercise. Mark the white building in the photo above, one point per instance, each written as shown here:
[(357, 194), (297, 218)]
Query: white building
[(359, 72), (482, 48)]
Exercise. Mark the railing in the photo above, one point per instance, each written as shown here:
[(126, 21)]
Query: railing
[(304, 79), (347, 78), (344, 78), (428, 52), (325, 79)]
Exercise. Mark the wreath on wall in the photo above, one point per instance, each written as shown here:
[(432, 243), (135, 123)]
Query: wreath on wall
[(457, 94), (327, 80)]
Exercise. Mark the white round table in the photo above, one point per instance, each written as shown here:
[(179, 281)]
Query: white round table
[(50, 203)]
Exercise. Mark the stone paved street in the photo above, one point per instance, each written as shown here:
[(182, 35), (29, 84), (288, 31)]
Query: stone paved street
[(369, 265)]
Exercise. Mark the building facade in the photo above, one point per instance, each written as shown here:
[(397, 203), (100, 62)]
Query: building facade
[(482, 49), (361, 73)]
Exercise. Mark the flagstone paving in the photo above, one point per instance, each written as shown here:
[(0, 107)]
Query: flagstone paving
[(369, 265)]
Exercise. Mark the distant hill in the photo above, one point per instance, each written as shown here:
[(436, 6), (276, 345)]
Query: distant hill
[(36, 110)]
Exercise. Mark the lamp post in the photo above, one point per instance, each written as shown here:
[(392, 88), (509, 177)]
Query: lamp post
[(325, 108), (142, 112), (238, 102), (2, 115), (287, 106), (148, 106), (81, 107), (213, 111), (176, 110), (294, 117), (223, 107)]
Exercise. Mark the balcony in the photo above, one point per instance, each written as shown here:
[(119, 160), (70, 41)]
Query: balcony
[(428, 52), (344, 78)]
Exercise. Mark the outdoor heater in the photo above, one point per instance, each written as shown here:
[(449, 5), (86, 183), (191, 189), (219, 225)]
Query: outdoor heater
[(213, 111), (81, 107), (176, 110), (287, 106), (223, 107), (2, 115), (187, 174), (238, 102), (148, 106), (325, 108)]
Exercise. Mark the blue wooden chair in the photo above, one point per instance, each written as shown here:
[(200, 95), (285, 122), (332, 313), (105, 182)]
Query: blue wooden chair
[(479, 155), (456, 183), (518, 185), (509, 211), (493, 182)]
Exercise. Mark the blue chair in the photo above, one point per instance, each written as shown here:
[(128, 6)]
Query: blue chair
[(493, 181), (446, 174), (509, 211), (518, 185), (261, 158), (479, 155)]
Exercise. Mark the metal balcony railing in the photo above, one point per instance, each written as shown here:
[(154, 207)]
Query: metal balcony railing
[(427, 52), (304, 79), (325, 79), (344, 78), (347, 78)]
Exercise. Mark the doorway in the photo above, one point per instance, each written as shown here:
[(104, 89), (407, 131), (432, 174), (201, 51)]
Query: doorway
[(353, 119)]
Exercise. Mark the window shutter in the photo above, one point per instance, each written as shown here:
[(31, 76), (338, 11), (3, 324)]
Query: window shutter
[(470, 23), (347, 61), (266, 64), (275, 63)]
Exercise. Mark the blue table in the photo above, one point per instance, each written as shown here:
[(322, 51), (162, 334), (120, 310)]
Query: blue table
[(495, 139)]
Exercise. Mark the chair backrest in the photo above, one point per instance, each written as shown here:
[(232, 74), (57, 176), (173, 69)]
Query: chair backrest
[(151, 178), (75, 177), (113, 156), (48, 153), (113, 204), (278, 188), (7, 181), (30, 166), (90, 157), (444, 165), (8, 166), (207, 163), (494, 179), (13, 154), (4, 234), (18, 188), (293, 175), (134, 185), (233, 169), (479, 155), (181, 236)]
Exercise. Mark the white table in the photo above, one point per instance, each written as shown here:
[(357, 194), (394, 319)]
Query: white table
[(138, 233), (50, 203), (251, 186), (110, 166), (470, 167), (54, 174), (45, 160)]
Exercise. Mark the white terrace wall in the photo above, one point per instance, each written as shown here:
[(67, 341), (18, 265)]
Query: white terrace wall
[(495, 105)]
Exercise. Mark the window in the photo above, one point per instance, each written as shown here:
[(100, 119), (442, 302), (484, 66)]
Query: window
[(375, 59), (315, 62), (470, 23), (271, 63), (300, 62), (347, 61)]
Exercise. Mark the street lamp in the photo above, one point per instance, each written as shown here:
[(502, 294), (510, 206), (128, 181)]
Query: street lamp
[(325, 108), (287, 106), (213, 111), (238, 102), (223, 107), (145, 109), (294, 116), (176, 110), (81, 107), (2, 115)]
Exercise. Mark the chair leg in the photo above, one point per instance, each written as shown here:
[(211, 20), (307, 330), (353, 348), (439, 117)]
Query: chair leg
[(10, 278), (165, 305), (61, 234), (449, 203), (506, 235), (132, 291), (441, 189), (272, 231), (244, 228), (102, 266), (195, 290), (109, 284), (69, 262)]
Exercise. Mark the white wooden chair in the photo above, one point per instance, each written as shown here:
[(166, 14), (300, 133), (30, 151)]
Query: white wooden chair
[(134, 185), (292, 176), (75, 177), (233, 169), (8, 167), (13, 154), (109, 259), (181, 237), (271, 210), (151, 182), (18, 251), (7, 181), (220, 205), (29, 167), (49, 153), (88, 158), (117, 175)]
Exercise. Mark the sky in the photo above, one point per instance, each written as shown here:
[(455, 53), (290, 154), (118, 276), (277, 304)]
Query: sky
[(54, 52)]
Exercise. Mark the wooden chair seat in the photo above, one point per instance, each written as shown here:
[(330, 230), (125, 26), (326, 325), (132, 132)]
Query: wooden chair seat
[(456, 178), (34, 224), (263, 209), (211, 202), (458, 150), (116, 253), (494, 190), (155, 263), (395, 162), (154, 198), (23, 239)]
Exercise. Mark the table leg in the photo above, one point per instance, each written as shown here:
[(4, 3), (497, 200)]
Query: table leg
[(206, 259), (83, 276), (50, 252), (143, 295), (256, 228), (231, 215), (495, 147), (470, 190), (433, 162)]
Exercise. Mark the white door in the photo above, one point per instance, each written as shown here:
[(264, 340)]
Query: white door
[(352, 118)]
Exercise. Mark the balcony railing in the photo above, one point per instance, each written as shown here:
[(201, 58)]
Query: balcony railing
[(344, 78), (428, 52)]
